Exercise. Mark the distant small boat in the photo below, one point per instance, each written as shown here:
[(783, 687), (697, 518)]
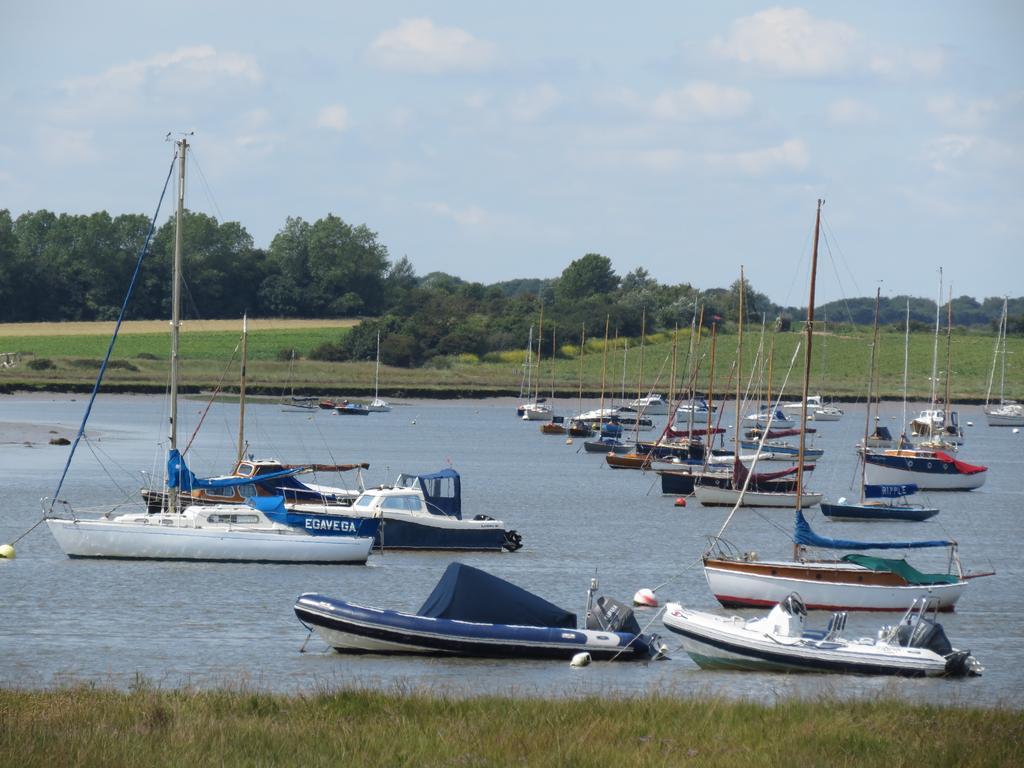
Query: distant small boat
[(377, 405), (652, 405), (1007, 413), (780, 642), (347, 408), (473, 613), (880, 510)]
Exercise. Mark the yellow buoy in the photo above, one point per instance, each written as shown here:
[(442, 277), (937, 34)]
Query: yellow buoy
[(6, 552)]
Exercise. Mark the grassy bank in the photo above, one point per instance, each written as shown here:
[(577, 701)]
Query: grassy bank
[(840, 367), (85, 726)]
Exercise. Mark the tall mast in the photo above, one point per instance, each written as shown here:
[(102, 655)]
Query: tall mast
[(906, 366), (540, 341), (172, 434), (807, 365), (376, 371), (949, 353), (711, 392), (935, 349), (583, 341), (552, 361), (871, 380), (1002, 370), (739, 368), (640, 376), (241, 388), (604, 370)]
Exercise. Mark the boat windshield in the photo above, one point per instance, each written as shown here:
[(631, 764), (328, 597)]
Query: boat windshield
[(407, 502)]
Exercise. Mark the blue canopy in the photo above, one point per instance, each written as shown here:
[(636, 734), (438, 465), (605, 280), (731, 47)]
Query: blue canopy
[(180, 476), (889, 491), (442, 492), (469, 594), (805, 536)]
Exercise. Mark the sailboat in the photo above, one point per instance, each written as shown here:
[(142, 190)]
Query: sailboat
[(887, 509), (537, 409), (378, 405), (1008, 413), (262, 530), (292, 403), (712, 492), (853, 582)]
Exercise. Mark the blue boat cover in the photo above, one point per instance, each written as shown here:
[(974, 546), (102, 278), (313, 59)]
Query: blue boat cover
[(889, 491), (469, 594), (804, 535), (179, 475), (882, 433), (443, 492)]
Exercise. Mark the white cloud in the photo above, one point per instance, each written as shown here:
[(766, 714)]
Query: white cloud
[(528, 106), (851, 112), (417, 45), (963, 113), (701, 100), (789, 41), (63, 147), (121, 89), (472, 215), (790, 155), (662, 160), (201, 66), (955, 152), (334, 117), (895, 63)]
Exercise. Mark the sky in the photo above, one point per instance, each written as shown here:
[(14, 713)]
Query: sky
[(495, 142)]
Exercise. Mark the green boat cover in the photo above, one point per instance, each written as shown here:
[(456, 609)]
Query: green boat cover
[(902, 568)]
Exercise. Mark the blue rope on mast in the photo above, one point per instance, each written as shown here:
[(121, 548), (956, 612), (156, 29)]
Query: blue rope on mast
[(113, 339)]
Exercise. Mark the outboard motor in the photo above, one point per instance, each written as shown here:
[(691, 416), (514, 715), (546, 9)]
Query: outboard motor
[(612, 616)]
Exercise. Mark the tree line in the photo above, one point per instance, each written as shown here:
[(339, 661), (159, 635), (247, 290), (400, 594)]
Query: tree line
[(64, 267)]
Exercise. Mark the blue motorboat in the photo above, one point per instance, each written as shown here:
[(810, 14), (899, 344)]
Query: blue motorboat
[(888, 508), (473, 613), (425, 512)]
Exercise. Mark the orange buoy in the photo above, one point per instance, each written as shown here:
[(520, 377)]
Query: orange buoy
[(680, 502)]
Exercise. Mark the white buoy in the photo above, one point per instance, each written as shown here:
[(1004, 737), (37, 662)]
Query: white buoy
[(970, 423), (1016, 430), (568, 441), (6, 552), (580, 660), (645, 597)]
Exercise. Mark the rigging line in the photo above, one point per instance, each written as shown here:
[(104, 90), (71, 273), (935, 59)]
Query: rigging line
[(846, 262), (213, 397), (206, 184), (760, 445), (839, 280), (99, 454), (117, 327)]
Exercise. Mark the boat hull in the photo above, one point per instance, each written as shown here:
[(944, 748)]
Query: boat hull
[(928, 474), (439, 533), (712, 496), (352, 628), (877, 512), (823, 586), (716, 642), (108, 539)]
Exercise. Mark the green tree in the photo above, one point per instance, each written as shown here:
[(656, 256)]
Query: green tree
[(592, 274)]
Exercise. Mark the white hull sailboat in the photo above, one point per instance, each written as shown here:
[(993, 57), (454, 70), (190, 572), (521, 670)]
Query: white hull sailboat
[(378, 405), (1007, 413), (262, 531), (212, 532)]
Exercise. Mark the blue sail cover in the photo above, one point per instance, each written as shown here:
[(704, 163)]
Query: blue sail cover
[(803, 534), (443, 492), (180, 476), (889, 491), (469, 594)]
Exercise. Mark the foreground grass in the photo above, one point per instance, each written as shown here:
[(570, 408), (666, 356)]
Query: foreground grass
[(86, 726)]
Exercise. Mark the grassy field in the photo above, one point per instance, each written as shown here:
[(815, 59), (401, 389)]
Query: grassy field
[(86, 726), (840, 368)]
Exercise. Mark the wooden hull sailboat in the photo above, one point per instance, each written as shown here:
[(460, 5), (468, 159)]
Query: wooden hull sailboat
[(851, 582)]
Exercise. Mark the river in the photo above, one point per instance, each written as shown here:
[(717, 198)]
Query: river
[(172, 624)]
